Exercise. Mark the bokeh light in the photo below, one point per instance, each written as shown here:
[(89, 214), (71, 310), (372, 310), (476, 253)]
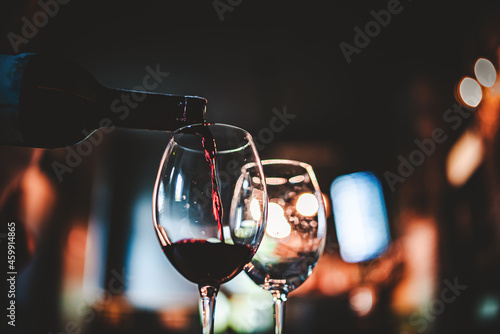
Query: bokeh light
[(361, 300), (255, 209), (277, 225), (470, 92), (360, 216), (307, 205), (485, 72), (464, 158)]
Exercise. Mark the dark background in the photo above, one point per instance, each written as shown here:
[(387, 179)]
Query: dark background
[(349, 117), (270, 55)]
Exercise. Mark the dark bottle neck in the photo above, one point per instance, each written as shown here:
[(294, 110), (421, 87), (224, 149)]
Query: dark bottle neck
[(152, 111)]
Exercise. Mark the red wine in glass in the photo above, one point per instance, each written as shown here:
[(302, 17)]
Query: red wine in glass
[(207, 263)]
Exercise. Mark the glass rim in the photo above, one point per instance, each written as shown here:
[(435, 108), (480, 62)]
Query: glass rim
[(210, 124), (308, 168), (222, 125), (304, 165)]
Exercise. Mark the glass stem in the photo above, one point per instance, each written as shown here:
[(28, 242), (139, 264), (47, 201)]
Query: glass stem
[(208, 294), (279, 298)]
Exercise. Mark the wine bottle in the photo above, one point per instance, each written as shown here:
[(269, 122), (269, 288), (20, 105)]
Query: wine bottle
[(50, 102)]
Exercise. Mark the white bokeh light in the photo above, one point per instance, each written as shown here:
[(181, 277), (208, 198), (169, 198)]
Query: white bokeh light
[(470, 92), (277, 225), (307, 205), (485, 72), (255, 209)]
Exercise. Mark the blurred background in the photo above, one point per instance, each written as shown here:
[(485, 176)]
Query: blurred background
[(339, 85)]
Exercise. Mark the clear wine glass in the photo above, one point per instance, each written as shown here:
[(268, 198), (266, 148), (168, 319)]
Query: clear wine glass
[(295, 233), (210, 206)]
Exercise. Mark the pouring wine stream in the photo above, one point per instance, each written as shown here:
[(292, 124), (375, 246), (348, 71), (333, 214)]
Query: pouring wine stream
[(210, 148)]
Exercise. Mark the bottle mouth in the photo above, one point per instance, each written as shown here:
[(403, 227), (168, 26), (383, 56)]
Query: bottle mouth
[(196, 97), (192, 107)]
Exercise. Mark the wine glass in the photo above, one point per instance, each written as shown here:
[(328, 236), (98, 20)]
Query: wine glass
[(295, 233), (210, 206)]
